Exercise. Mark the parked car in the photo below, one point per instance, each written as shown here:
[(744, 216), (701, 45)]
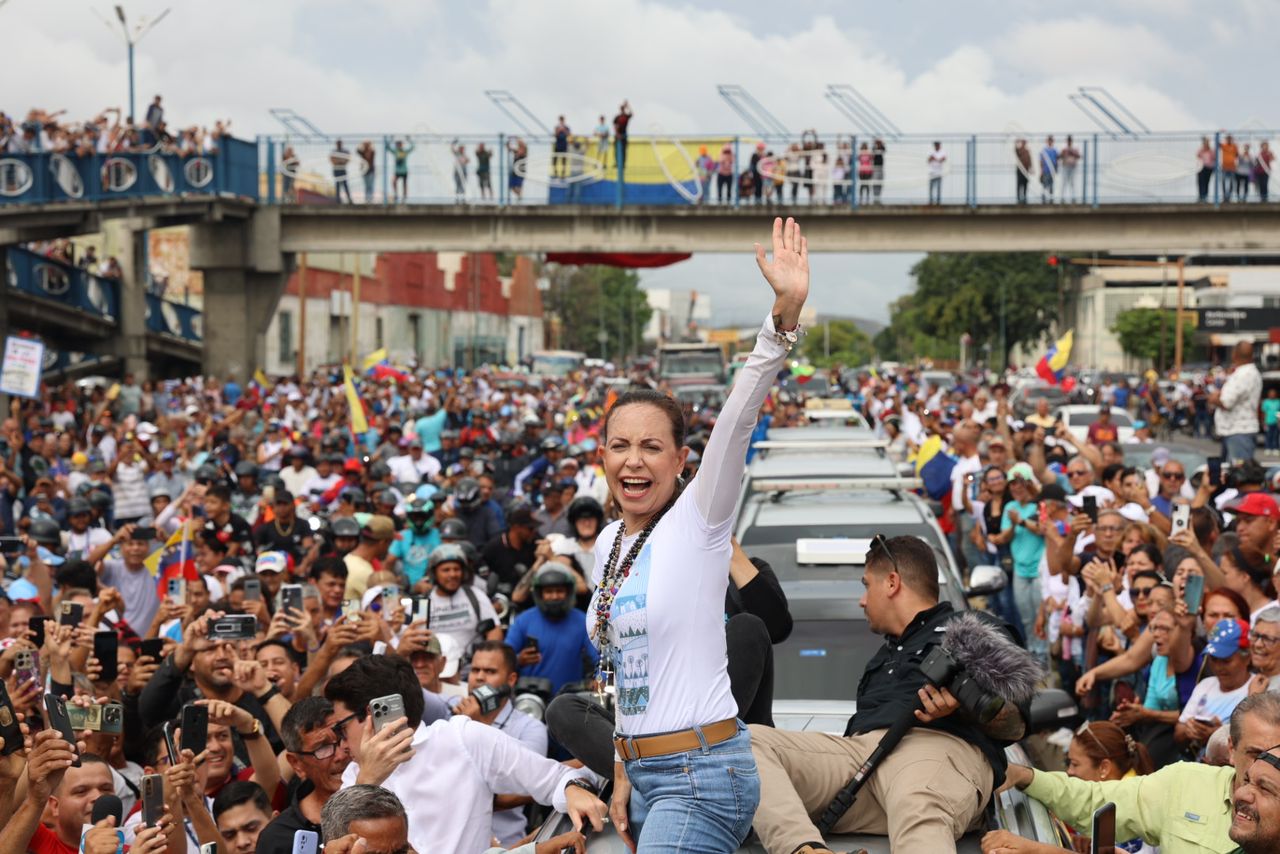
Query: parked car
[(1078, 418)]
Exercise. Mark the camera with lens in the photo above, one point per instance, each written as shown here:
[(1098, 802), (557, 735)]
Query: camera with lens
[(945, 672), (489, 698)]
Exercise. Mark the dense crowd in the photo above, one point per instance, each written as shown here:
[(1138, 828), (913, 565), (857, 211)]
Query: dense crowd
[(109, 132), (248, 611)]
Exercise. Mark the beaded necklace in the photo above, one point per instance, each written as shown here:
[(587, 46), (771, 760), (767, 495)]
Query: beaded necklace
[(611, 580)]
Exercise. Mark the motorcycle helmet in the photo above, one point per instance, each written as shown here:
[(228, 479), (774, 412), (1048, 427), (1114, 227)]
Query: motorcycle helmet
[(453, 529), (345, 526), (553, 574), (446, 553), (584, 507), (467, 495), (245, 468), (46, 533)]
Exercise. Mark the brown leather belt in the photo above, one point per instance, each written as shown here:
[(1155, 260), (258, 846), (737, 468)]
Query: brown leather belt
[(675, 742)]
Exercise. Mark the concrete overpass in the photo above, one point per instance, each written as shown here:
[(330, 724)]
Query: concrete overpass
[(246, 250)]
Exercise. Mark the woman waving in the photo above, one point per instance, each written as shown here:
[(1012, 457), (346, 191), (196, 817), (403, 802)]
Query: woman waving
[(683, 760)]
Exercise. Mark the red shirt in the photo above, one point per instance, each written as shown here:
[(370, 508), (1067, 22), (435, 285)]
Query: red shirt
[(45, 841), (1099, 433)]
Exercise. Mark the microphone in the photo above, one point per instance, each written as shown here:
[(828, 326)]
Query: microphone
[(107, 805)]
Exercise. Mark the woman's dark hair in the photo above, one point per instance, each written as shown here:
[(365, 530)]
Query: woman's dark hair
[(1101, 740), (1157, 557), (1242, 607), (1254, 564), (668, 405)]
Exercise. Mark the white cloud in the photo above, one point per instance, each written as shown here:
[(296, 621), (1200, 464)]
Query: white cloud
[(1087, 46)]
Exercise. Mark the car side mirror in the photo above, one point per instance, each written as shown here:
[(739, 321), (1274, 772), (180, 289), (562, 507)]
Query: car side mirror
[(1051, 709), (985, 580)]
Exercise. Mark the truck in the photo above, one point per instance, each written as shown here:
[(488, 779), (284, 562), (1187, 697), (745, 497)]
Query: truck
[(692, 364), (556, 363)]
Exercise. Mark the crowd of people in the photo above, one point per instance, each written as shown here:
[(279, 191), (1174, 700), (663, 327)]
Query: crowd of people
[(109, 132), (510, 595)]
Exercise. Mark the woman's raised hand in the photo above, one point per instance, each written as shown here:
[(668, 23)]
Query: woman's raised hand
[(787, 273)]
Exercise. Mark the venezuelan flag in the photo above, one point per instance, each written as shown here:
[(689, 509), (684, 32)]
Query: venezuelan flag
[(933, 466), (1052, 366), (659, 170), (175, 559)]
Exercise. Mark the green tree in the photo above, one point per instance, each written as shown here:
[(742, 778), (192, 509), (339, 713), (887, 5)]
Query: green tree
[(972, 292), (847, 344), (594, 298), (1148, 333)]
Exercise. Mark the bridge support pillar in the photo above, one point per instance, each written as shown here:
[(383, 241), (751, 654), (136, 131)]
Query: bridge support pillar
[(130, 344), (5, 328), (244, 277)]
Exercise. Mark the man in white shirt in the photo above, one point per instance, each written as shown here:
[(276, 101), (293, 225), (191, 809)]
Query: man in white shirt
[(1236, 405), (298, 474), (414, 466), (937, 165), (450, 771)]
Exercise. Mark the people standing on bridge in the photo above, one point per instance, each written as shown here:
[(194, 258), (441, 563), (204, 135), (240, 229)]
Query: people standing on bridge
[(877, 166), (155, 114), (1208, 161), (1262, 169), (602, 142), (1244, 171), (519, 157), (1228, 153), (706, 168), (866, 174), (460, 163), (1068, 158), (483, 158), (559, 150), (937, 165), (724, 176), (400, 184), (1048, 170), (368, 156), (289, 163), (1023, 155), (338, 159), (620, 123)]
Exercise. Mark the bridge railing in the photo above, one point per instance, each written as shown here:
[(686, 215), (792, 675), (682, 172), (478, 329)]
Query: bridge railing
[(49, 279), (978, 169), (166, 317), (43, 177)]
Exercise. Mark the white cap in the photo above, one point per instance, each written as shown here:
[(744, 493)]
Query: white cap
[(452, 651)]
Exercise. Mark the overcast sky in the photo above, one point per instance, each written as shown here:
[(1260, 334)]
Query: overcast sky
[(389, 65)]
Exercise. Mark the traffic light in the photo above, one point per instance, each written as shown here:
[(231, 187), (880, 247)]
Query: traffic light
[(1053, 260)]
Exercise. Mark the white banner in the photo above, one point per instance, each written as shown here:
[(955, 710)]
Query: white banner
[(23, 364)]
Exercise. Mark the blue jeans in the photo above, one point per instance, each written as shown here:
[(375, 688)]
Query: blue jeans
[(1026, 595), (700, 801), (1237, 447), (1273, 437)]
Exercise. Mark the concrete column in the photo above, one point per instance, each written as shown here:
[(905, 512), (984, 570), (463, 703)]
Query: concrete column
[(130, 344), (5, 328)]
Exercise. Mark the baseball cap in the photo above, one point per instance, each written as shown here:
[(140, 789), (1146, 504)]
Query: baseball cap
[(1227, 638), (379, 528), (1053, 492), (1255, 504), (271, 562), (1021, 471), (352, 465)]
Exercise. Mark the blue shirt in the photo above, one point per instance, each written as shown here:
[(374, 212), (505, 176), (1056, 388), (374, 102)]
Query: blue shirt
[(563, 644), (412, 550), (428, 429), (1027, 547), (231, 393)]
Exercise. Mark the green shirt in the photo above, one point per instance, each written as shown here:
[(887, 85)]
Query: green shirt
[(1183, 808), (1270, 408)]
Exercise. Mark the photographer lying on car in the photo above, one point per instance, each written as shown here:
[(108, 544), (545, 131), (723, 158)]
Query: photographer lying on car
[(932, 788)]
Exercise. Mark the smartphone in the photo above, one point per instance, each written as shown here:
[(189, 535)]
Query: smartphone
[(1103, 838), (56, 709), (170, 746), (195, 728), (10, 730), (1090, 503), (390, 597), (1215, 471), (11, 546), (153, 647), (112, 719), (36, 625), (291, 598), (70, 614), (176, 590), (424, 611), (253, 589), (144, 534), (1193, 593), (306, 842), (1204, 719), (26, 666), (385, 710), (234, 627), (530, 642), (351, 610), (152, 799), (106, 645), (1181, 518)]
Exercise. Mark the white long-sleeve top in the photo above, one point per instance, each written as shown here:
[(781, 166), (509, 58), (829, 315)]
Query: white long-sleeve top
[(667, 620), (458, 765)]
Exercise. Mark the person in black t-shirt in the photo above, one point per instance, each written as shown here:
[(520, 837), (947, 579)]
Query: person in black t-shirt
[(286, 533), (510, 554)]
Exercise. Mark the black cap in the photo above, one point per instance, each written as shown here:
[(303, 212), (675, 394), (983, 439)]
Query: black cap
[(1053, 492)]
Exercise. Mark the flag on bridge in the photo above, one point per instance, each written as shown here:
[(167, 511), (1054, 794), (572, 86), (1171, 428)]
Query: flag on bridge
[(1053, 364), (175, 559)]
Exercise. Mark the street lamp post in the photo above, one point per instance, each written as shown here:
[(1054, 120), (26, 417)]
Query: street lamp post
[(131, 40)]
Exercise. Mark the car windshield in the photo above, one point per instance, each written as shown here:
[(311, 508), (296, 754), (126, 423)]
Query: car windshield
[(683, 363), (823, 660), (556, 366)]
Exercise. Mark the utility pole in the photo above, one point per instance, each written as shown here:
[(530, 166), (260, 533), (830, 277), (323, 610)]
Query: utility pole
[(1177, 323), (1004, 349), (302, 316), (355, 311), (131, 40)]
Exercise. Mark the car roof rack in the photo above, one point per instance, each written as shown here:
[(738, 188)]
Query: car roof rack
[(839, 483), (819, 444)]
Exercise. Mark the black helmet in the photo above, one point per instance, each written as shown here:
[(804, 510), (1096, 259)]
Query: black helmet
[(208, 473), (453, 529), (553, 574), (552, 443), (385, 496), (467, 494), (345, 526), (78, 505), (446, 553), (274, 481), (379, 470), (100, 500), (584, 506), (245, 468), (45, 532)]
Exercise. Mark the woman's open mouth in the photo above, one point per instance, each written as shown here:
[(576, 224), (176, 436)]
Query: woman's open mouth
[(635, 487)]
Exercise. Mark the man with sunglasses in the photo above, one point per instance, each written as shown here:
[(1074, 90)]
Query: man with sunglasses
[(934, 785), (1172, 476), (318, 756)]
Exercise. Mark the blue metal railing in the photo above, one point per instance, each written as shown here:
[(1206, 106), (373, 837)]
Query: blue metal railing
[(43, 277), (51, 177), (58, 281), (980, 169)]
